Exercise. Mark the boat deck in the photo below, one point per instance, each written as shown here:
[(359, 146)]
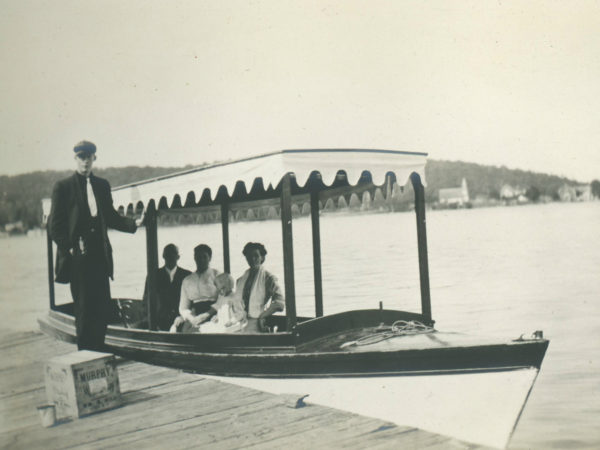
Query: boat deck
[(167, 408), (383, 340)]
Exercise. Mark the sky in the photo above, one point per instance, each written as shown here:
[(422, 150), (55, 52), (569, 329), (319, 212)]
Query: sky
[(172, 83)]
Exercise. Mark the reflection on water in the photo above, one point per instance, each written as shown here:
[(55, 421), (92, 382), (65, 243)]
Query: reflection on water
[(497, 271)]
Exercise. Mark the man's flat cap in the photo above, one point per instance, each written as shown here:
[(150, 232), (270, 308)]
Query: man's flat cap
[(85, 147)]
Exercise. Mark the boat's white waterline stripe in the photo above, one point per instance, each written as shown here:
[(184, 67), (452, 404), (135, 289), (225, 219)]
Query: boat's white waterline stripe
[(481, 408)]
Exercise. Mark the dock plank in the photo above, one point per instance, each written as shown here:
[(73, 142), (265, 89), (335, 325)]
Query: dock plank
[(167, 408)]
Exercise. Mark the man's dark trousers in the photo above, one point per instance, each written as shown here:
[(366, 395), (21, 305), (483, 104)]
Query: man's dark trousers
[(90, 290)]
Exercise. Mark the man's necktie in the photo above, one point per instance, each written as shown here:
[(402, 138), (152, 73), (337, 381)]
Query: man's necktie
[(90, 198), (248, 287)]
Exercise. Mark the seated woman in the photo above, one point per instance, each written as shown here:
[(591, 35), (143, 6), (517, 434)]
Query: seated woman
[(257, 287), (198, 292), (228, 313)]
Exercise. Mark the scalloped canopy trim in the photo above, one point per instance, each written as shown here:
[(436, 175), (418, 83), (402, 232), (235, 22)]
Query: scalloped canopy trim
[(272, 168)]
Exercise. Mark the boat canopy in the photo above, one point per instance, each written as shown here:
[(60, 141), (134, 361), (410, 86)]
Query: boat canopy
[(271, 168), (283, 175)]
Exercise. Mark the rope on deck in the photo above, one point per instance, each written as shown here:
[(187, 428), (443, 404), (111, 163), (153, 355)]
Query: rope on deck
[(398, 328)]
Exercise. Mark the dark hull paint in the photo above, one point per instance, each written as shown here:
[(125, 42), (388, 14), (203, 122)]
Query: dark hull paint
[(292, 355)]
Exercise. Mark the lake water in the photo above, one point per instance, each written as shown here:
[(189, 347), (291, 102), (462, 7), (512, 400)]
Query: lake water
[(494, 271)]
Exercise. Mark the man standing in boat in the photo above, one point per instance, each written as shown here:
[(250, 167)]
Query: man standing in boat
[(82, 210)]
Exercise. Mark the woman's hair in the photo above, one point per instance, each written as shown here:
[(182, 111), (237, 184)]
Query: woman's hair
[(202, 248), (254, 246)]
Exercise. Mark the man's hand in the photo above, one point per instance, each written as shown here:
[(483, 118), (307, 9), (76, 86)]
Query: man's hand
[(140, 220), (262, 324), (176, 324)]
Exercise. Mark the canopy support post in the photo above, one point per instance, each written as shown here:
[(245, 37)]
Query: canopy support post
[(50, 269), (422, 244), (225, 233), (288, 251), (152, 264), (316, 242)]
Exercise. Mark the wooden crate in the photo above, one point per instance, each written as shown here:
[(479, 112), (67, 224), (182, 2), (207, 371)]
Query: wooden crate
[(82, 383)]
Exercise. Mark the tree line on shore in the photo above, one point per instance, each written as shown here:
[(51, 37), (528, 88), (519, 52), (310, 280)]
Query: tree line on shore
[(21, 195)]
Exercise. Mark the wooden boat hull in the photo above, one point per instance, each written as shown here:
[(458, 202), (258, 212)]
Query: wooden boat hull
[(289, 355)]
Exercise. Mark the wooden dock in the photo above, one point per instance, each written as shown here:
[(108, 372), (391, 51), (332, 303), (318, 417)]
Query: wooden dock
[(166, 408)]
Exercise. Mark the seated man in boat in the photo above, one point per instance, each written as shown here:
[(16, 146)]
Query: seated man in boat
[(168, 286), (198, 291), (258, 289), (228, 314)]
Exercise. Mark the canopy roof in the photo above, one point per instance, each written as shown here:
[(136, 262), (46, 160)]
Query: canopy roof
[(271, 168)]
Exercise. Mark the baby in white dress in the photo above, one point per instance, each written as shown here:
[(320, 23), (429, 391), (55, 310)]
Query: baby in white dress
[(228, 314)]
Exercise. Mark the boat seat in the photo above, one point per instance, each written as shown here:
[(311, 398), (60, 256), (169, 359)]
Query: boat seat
[(132, 313)]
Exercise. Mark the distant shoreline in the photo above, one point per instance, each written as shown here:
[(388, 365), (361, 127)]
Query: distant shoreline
[(487, 186)]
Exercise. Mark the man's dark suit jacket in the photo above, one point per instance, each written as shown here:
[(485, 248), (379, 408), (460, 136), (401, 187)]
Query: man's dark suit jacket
[(169, 294), (69, 217)]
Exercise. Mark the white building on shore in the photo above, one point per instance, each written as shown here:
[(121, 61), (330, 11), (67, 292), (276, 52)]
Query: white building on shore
[(455, 196)]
